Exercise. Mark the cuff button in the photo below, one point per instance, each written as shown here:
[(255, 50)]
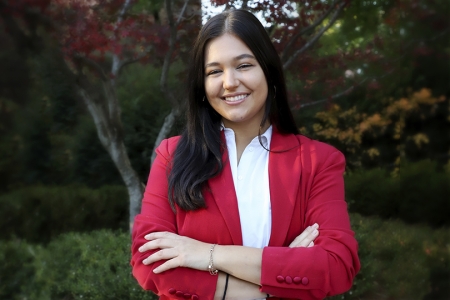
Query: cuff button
[(179, 294)]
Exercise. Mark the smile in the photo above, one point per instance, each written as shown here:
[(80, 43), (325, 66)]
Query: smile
[(236, 98)]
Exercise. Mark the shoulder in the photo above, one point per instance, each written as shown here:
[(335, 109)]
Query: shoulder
[(315, 145), (318, 152), (167, 147)]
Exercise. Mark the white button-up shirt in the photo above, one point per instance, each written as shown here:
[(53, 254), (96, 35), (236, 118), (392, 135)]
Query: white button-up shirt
[(251, 181)]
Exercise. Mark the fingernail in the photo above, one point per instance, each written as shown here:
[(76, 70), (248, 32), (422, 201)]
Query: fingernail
[(140, 249), (315, 225), (146, 237), (315, 232), (311, 244), (144, 261)]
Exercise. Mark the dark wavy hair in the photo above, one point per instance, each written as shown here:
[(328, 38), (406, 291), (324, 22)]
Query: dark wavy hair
[(198, 156)]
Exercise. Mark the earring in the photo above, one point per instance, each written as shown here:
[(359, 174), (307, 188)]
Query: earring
[(275, 91), (203, 100)]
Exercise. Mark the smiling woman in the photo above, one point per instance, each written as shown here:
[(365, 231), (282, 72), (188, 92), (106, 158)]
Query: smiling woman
[(235, 86), (233, 206)]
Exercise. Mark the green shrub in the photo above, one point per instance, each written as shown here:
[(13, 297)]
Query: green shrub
[(91, 266), (39, 213), (400, 261), (418, 194), (16, 267)]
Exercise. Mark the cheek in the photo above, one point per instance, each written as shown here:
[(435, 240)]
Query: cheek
[(210, 87)]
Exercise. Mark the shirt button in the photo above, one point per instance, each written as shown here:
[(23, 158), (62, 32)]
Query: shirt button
[(240, 177), (288, 279), (305, 280)]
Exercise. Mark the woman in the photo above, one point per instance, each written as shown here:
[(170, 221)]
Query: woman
[(233, 207)]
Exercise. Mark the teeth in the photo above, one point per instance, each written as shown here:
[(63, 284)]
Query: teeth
[(235, 98)]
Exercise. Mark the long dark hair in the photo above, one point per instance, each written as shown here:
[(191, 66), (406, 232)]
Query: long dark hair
[(198, 156)]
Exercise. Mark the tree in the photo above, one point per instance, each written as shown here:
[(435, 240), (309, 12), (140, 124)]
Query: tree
[(324, 54), (96, 40)]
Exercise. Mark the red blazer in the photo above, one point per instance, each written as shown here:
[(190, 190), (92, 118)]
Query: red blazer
[(306, 187)]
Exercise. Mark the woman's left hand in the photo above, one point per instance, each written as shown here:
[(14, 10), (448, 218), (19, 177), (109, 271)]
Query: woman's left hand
[(179, 251)]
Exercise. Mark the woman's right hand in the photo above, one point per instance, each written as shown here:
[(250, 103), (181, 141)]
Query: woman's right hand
[(307, 237)]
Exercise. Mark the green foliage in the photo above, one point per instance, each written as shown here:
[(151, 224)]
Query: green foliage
[(90, 164), (39, 213), (16, 267), (399, 261), (85, 266), (416, 193), (143, 111)]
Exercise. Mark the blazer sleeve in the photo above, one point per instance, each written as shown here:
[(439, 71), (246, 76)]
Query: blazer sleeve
[(327, 268), (157, 215)]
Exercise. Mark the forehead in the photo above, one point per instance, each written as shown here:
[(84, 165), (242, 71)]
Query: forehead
[(225, 47)]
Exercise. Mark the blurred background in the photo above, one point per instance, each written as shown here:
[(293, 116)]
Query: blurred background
[(88, 88)]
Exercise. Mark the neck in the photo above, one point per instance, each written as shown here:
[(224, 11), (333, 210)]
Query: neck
[(245, 133)]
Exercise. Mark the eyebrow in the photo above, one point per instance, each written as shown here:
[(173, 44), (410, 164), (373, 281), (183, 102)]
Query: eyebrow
[(239, 57)]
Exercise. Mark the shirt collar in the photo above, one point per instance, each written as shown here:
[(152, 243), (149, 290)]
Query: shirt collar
[(266, 136)]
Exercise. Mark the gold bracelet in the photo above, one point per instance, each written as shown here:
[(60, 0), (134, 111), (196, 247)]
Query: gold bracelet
[(211, 268)]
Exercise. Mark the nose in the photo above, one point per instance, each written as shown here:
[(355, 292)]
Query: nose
[(230, 80)]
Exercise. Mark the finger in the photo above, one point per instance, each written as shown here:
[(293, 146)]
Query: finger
[(297, 241), (164, 254), (170, 264), (161, 235), (311, 244), (160, 243), (306, 237)]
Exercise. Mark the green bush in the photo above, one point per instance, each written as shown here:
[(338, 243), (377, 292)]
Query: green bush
[(93, 266), (16, 267), (418, 194), (39, 213), (400, 261)]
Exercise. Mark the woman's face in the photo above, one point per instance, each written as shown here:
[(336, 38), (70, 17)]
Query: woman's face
[(235, 84)]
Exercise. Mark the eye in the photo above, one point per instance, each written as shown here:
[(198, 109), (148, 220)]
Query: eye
[(213, 72), (244, 66)]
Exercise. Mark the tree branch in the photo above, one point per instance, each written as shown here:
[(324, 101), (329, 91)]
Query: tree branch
[(180, 17), (316, 37), (133, 60), (343, 93), (116, 60), (307, 29), (167, 58), (93, 64), (338, 95)]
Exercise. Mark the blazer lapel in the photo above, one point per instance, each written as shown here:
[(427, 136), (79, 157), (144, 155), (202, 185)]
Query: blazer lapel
[(222, 187), (284, 179)]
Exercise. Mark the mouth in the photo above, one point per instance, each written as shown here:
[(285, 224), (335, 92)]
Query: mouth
[(236, 98)]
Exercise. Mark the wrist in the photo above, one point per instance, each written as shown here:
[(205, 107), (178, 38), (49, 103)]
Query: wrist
[(211, 268)]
